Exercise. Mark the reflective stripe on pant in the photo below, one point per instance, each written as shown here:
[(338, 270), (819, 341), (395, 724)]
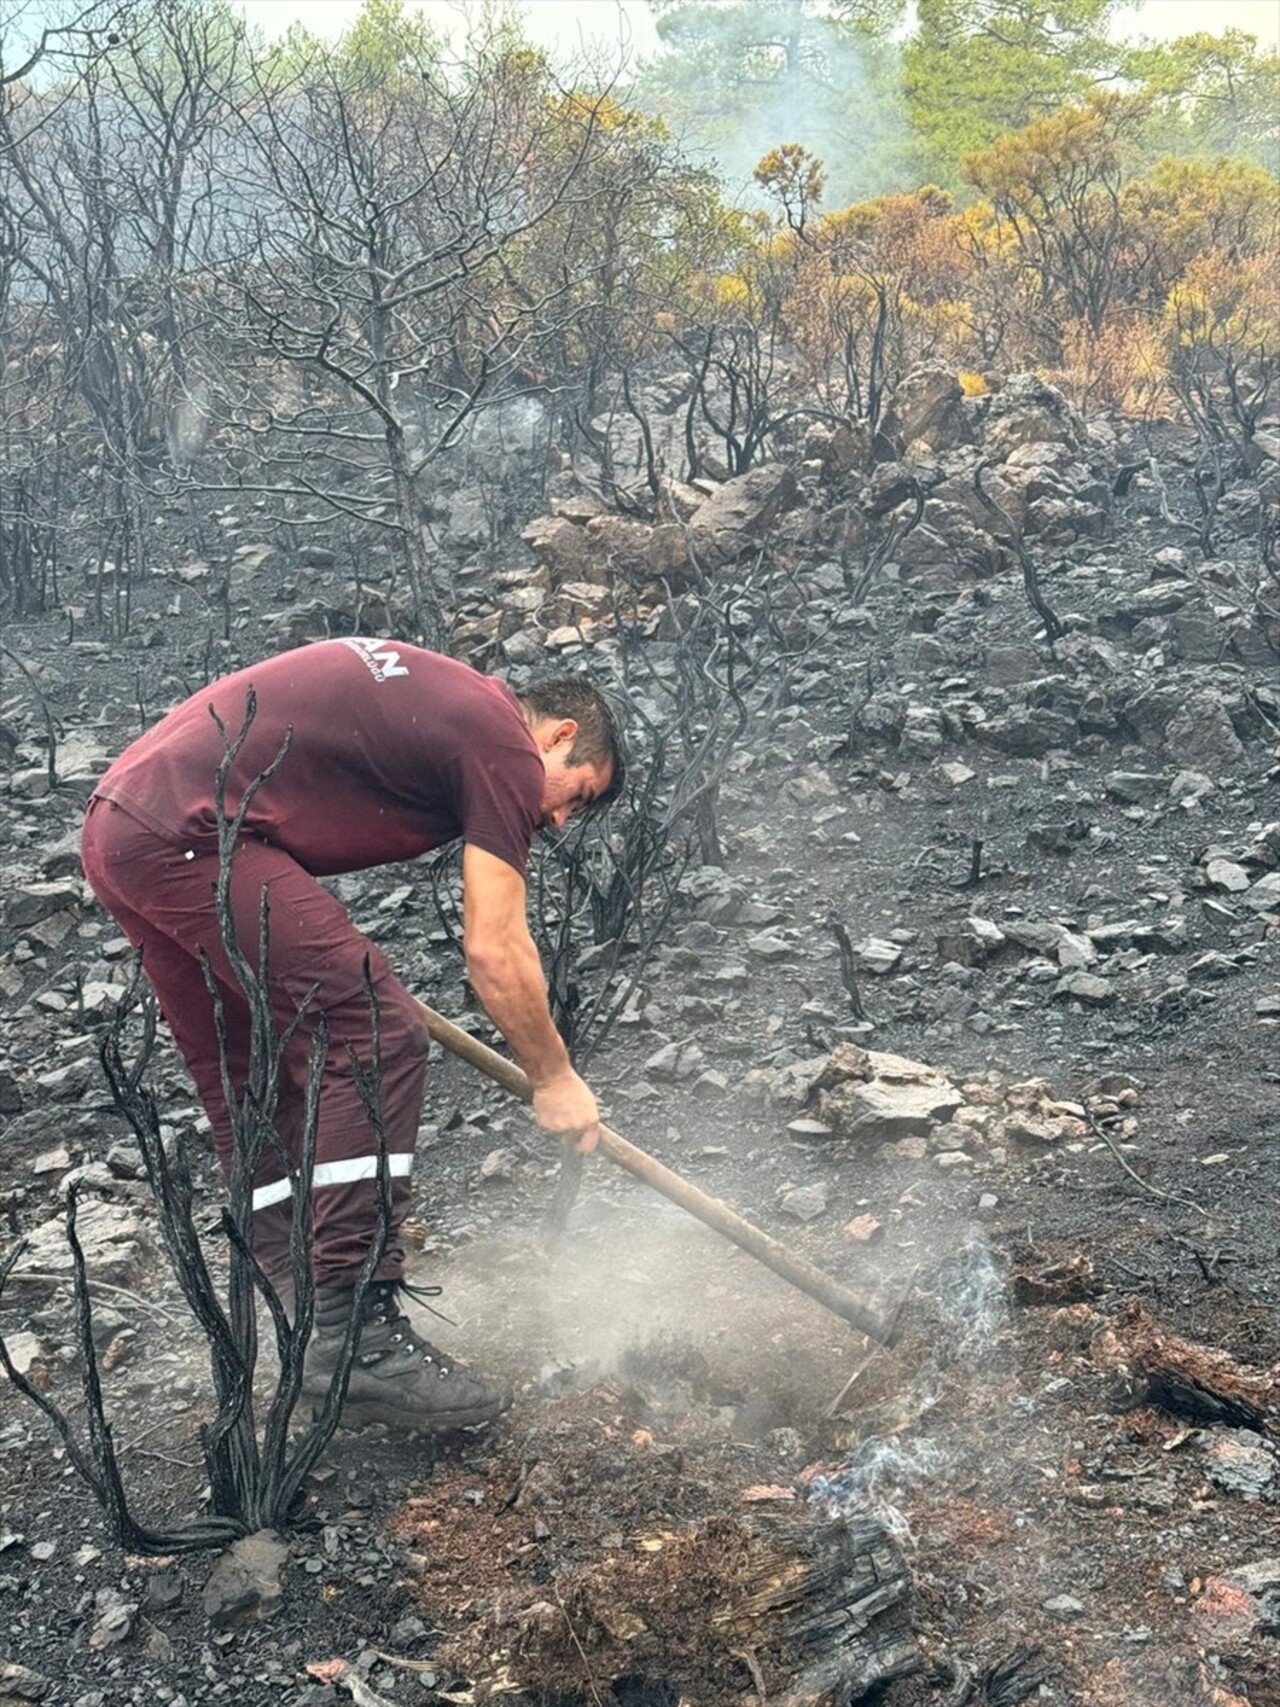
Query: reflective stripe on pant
[(163, 899)]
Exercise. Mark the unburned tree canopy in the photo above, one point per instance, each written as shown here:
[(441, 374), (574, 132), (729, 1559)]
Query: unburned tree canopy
[(738, 78), (976, 69)]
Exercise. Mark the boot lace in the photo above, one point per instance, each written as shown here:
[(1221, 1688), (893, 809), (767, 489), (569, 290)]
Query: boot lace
[(382, 1305)]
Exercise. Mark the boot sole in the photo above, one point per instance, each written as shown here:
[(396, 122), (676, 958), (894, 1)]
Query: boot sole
[(363, 1412)]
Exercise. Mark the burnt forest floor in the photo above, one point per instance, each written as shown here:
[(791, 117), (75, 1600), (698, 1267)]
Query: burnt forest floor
[(663, 1379)]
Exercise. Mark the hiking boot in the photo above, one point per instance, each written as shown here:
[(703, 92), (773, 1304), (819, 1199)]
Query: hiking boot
[(397, 1377)]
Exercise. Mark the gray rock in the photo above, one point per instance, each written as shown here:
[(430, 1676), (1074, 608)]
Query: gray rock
[(1242, 1463), (1191, 785), (1008, 664), (741, 512), (1264, 895), (1137, 788), (805, 1128), (1075, 951), (525, 647), (1063, 1606), (1028, 734), (1040, 938), (791, 1084), (245, 1584), (926, 410), (1027, 410), (974, 944), (882, 716), (1227, 875), (675, 1061), (880, 1112), (499, 1166), (1085, 987), (18, 1683), (26, 1350), (1213, 965), (32, 902), (804, 1202), (163, 1592), (1257, 1584), (923, 732), (1201, 735), (114, 1242), (766, 946), (560, 546), (114, 1618), (875, 955)]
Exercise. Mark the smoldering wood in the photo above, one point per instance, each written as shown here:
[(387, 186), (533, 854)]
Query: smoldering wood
[(841, 1606), (1199, 1382), (815, 1609)]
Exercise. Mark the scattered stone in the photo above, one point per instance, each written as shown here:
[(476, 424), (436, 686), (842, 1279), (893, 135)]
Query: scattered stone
[(1242, 1463), (864, 1229), (114, 1618), (804, 1202), (676, 1061), (499, 1167), (1084, 987), (112, 1235), (18, 1683), (1264, 895), (1230, 1609), (806, 1128), (26, 1353), (875, 955), (766, 946), (163, 1592), (1226, 874), (1064, 1606), (1137, 788), (740, 513), (32, 902), (974, 944), (245, 1583), (882, 1110)]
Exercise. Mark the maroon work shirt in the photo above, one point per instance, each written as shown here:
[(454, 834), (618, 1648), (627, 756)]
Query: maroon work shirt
[(393, 751)]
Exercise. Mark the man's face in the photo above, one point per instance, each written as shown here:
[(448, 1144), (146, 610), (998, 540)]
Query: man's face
[(567, 787)]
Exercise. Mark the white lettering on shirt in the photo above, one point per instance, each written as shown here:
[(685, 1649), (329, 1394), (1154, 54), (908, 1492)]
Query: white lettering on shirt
[(380, 657)]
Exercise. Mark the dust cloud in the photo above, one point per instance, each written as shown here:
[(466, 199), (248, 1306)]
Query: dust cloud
[(636, 1284)]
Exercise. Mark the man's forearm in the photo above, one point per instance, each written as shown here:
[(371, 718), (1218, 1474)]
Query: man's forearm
[(509, 982)]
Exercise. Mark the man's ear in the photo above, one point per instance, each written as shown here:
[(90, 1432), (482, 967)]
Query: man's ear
[(563, 734)]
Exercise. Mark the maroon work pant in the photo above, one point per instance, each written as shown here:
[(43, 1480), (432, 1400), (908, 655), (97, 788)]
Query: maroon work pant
[(162, 897)]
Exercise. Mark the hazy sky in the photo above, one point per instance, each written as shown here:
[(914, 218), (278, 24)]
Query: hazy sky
[(570, 24)]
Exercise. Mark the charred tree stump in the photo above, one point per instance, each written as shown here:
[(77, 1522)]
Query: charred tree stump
[(838, 1609), (1202, 1383)]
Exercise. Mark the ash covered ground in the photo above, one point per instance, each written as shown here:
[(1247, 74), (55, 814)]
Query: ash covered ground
[(1032, 1104)]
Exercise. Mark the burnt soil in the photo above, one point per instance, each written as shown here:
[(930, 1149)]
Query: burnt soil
[(667, 1386)]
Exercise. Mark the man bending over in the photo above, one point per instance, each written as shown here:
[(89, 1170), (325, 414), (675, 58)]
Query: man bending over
[(392, 751)]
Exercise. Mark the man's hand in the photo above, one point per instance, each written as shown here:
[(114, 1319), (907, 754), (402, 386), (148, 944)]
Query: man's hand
[(566, 1107)]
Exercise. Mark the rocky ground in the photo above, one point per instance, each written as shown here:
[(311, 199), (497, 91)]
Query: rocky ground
[(1047, 1135)]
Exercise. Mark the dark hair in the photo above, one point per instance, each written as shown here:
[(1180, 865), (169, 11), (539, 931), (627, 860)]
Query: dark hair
[(599, 738)]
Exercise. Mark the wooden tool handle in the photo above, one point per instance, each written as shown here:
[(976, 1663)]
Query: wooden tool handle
[(857, 1311)]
